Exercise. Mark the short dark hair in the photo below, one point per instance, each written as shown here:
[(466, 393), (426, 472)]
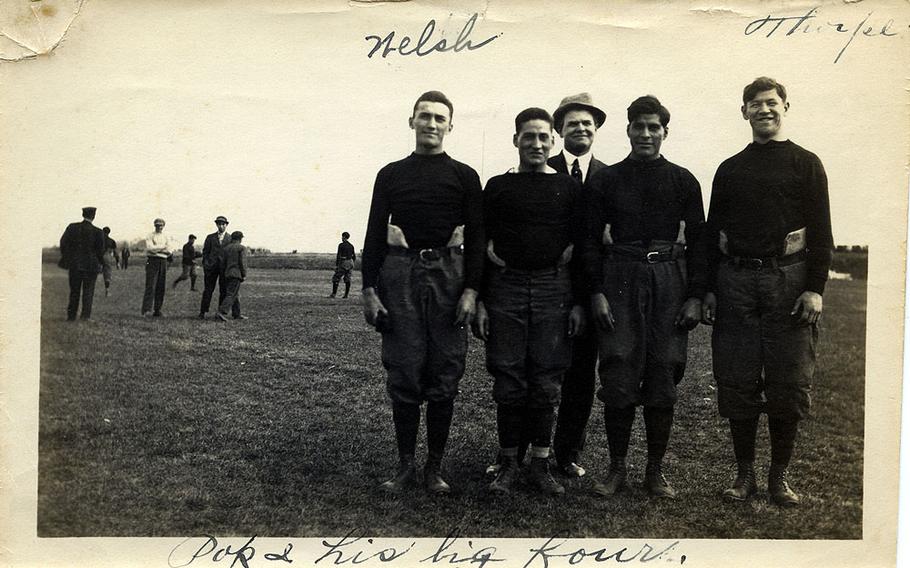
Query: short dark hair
[(435, 97), (532, 113), (345, 235), (761, 85), (648, 104), (107, 230)]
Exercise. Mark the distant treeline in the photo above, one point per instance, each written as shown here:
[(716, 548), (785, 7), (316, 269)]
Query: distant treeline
[(847, 260)]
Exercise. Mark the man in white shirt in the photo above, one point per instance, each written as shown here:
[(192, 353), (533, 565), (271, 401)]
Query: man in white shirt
[(158, 250)]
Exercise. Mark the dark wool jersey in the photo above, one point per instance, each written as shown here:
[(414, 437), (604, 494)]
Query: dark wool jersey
[(761, 194), (189, 254), (427, 196), (644, 201), (531, 217), (345, 252)]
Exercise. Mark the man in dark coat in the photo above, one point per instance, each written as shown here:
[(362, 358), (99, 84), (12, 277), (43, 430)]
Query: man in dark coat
[(213, 264), (82, 253), (344, 265)]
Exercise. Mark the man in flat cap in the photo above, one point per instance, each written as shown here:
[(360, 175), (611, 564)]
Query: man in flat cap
[(188, 262), (576, 120), (81, 253), (159, 250), (234, 273), (422, 264), (213, 264), (770, 247)]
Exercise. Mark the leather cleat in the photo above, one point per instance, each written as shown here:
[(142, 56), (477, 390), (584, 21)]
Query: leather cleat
[(201, 316), (779, 491), (404, 479), (433, 481), (221, 316), (744, 486), (241, 317), (506, 475), (539, 477), (614, 482), (571, 469), (656, 483)]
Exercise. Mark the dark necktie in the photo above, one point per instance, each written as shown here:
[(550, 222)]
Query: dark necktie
[(576, 170)]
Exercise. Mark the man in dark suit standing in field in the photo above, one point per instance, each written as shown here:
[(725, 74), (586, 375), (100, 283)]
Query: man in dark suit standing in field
[(770, 248), (234, 274), (576, 120), (82, 253), (344, 265), (125, 257), (422, 263), (213, 264)]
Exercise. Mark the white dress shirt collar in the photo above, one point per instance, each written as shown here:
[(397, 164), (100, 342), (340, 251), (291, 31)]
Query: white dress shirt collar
[(584, 162)]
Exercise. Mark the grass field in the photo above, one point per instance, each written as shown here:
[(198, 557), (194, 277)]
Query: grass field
[(280, 425)]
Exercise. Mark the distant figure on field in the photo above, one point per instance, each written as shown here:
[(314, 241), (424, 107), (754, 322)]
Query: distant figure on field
[(344, 265), (213, 264), (81, 252), (189, 263), (125, 257), (234, 274), (110, 259), (158, 251)]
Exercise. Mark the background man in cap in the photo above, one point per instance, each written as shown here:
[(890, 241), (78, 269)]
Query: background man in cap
[(125, 256), (110, 259), (213, 264), (770, 248), (647, 216), (234, 274), (422, 263), (531, 304), (158, 251), (344, 265), (81, 253), (576, 120), (188, 262)]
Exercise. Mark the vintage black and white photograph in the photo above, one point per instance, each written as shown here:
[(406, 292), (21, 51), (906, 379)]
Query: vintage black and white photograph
[(408, 283)]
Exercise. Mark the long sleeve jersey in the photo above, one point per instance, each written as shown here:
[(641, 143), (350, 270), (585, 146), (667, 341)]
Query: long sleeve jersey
[(644, 201), (427, 197), (531, 217), (763, 193)]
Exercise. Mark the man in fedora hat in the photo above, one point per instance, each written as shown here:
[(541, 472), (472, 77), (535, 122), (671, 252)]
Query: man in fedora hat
[(158, 252), (576, 120), (213, 265), (81, 253)]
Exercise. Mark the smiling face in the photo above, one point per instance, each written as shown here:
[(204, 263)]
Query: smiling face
[(431, 122), (765, 113), (534, 140), (578, 128), (646, 134)]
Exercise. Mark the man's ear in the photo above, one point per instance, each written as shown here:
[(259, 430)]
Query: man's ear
[(666, 132), (411, 122), (742, 109), (515, 140)]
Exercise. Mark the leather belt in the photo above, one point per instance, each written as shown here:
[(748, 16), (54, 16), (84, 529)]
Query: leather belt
[(767, 262)]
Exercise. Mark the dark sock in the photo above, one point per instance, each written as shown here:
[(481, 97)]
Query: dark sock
[(407, 421), (539, 426), (743, 433), (508, 425), (524, 439), (783, 438), (347, 288), (658, 423), (334, 288), (618, 422), (439, 420)]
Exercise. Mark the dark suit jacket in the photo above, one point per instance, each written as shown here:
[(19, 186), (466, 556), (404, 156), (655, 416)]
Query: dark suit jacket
[(82, 247), (558, 163), (234, 261), (213, 251)]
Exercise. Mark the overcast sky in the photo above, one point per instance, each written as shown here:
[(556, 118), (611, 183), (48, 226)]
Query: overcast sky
[(275, 117)]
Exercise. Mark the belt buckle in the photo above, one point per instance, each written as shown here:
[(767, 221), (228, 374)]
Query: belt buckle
[(652, 257), (755, 263), (428, 254)]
